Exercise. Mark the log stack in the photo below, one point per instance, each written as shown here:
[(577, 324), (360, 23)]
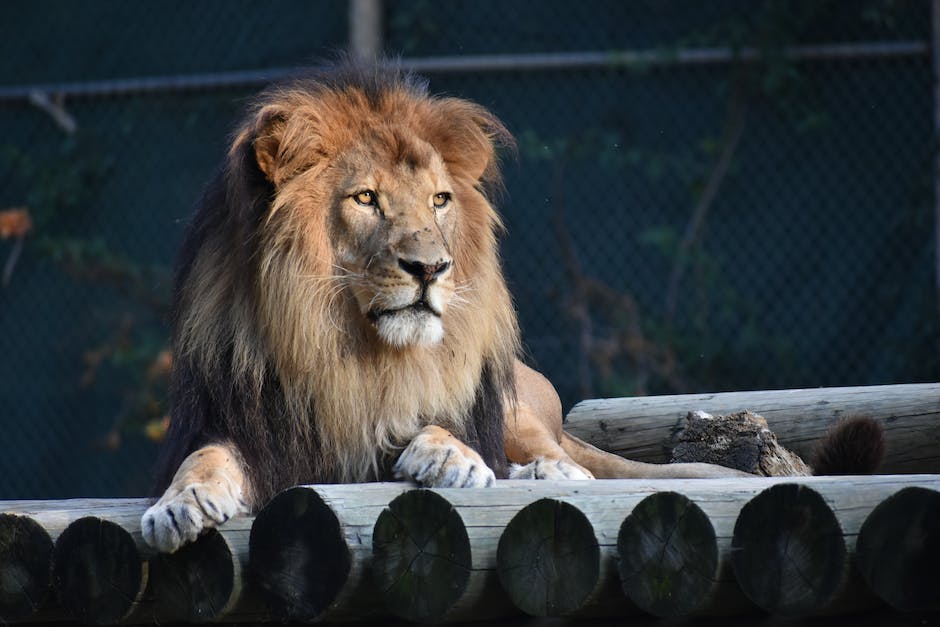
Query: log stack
[(630, 549), (814, 546)]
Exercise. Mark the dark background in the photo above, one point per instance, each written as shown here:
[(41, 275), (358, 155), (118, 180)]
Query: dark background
[(744, 201)]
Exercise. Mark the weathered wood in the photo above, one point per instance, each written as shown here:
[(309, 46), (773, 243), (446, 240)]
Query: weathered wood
[(97, 571), (310, 551), (670, 563), (667, 555), (898, 550), (640, 428), (25, 555), (421, 556), (548, 558), (203, 580), (788, 550), (169, 586), (741, 440)]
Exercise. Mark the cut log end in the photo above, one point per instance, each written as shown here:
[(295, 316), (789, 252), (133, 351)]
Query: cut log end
[(668, 555), (421, 556), (898, 549), (741, 440), (97, 571), (548, 559), (25, 552), (788, 551), (197, 583), (298, 555)]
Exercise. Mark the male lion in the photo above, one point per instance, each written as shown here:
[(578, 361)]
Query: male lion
[(340, 314)]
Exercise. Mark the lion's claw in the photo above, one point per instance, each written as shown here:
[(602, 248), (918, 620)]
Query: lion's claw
[(442, 462), (550, 469), (182, 515)]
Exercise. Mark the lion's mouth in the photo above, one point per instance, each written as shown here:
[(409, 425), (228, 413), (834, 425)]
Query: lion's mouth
[(419, 307)]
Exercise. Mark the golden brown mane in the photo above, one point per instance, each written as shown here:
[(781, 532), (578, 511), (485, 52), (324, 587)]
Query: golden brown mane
[(272, 353)]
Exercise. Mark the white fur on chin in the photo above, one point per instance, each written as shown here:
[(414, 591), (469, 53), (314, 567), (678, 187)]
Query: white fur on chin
[(409, 328)]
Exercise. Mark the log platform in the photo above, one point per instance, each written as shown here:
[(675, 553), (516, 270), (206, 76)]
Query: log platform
[(638, 550), (632, 549)]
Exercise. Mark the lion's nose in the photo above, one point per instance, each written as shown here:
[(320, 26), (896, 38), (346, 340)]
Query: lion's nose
[(424, 272)]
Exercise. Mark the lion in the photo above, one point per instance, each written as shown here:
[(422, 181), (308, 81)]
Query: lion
[(340, 312)]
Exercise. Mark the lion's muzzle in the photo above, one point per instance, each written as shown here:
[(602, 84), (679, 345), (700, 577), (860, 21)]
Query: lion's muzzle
[(410, 313)]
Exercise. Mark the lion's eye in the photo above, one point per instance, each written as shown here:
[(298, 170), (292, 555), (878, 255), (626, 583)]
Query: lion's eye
[(441, 200), (366, 198)]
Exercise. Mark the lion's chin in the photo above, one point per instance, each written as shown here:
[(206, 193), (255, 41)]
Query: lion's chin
[(409, 327)]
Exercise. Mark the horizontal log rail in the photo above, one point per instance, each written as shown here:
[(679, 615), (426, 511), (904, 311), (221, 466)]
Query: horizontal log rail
[(632, 549), (641, 428)]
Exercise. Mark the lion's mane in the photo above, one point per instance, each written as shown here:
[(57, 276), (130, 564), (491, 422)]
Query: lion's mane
[(270, 353)]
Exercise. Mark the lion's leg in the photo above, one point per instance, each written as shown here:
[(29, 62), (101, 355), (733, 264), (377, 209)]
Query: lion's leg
[(208, 489), (437, 459), (532, 431), (536, 441)]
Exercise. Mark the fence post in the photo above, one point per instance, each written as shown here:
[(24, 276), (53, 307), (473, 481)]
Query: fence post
[(365, 29)]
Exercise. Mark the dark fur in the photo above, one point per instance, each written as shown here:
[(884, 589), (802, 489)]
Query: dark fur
[(853, 446), (220, 407)]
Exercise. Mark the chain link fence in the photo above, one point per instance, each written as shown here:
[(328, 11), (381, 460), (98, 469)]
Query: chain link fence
[(708, 196)]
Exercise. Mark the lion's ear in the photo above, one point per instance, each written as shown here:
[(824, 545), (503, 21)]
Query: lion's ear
[(257, 143), (268, 130), (468, 136)]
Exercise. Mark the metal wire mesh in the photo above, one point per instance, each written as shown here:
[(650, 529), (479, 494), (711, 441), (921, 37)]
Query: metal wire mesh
[(744, 205)]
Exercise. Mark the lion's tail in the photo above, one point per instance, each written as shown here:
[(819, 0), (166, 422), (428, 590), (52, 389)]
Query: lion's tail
[(853, 446)]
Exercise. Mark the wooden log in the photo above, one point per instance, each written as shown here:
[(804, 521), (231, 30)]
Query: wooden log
[(673, 562), (548, 558), (25, 555), (788, 552), (310, 551), (640, 428), (103, 572), (98, 573), (421, 556), (899, 550), (204, 580), (69, 586)]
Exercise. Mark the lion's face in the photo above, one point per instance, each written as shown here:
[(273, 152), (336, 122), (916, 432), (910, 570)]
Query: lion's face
[(378, 220), (392, 227)]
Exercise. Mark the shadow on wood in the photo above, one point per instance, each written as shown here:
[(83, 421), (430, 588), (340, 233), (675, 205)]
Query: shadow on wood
[(548, 558), (668, 555), (25, 554), (788, 550), (97, 571), (898, 550), (421, 556)]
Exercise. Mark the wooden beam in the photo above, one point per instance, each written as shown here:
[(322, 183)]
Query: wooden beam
[(640, 428)]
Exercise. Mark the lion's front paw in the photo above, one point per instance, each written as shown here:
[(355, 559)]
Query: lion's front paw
[(437, 459), (551, 469), (181, 515)]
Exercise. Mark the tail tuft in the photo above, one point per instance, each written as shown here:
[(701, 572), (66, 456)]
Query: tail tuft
[(853, 446)]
